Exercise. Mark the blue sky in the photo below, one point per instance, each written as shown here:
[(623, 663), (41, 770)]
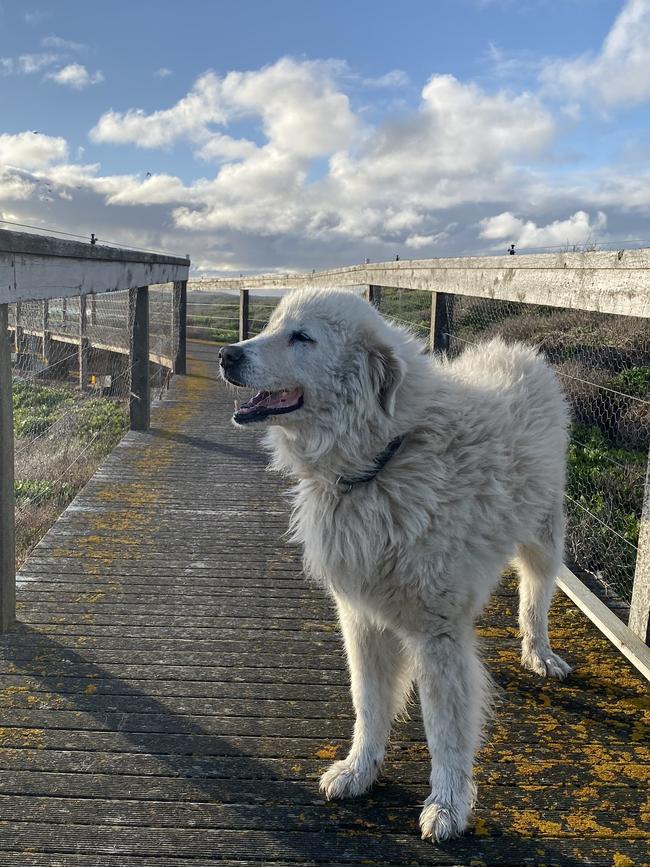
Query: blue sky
[(277, 134)]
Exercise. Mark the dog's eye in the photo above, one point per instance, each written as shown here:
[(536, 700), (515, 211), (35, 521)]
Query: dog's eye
[(300, 337)]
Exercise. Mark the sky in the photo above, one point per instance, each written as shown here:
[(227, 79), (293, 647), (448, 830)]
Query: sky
[(280, 135)]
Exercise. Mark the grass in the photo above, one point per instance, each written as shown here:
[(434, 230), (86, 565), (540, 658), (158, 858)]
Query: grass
[(61, 436)]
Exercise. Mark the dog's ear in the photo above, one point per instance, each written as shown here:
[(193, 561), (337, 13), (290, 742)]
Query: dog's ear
[(386, 374)]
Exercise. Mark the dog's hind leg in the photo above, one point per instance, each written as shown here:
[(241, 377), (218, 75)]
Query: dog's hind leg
[(453, 690), (538, 564), (381, 683)]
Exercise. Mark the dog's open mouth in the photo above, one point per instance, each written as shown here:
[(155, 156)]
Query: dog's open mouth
[(266, 403)]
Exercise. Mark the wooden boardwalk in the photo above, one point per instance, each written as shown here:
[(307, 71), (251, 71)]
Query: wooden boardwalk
[(175, 688)]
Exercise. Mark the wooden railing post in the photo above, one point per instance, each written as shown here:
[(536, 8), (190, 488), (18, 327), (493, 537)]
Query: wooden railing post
[(45, 324), (83, 343), (374, 296), (639, 621), (179, 326), (243, 314), (7, 497), (439, 333), (18, 331), (139, 317)]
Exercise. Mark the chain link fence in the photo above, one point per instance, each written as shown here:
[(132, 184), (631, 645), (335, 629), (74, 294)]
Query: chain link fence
[(603, 362), (71, 379)]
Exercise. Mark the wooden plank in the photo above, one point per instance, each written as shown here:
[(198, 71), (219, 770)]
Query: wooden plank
[(622, 637), (243, 314), (24, 243), (34, 267), (608, 282), (7, 498), (139, 401), (639, 621)]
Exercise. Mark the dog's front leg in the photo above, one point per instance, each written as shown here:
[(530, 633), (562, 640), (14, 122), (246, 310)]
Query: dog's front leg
[(453, 693), (380, 682)]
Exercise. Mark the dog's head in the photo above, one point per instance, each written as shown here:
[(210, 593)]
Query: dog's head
[(325, 358)]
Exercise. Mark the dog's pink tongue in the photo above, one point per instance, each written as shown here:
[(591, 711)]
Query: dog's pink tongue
[(281, 398)]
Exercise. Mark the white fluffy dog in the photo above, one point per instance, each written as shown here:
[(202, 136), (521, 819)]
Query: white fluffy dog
[(419, 480)]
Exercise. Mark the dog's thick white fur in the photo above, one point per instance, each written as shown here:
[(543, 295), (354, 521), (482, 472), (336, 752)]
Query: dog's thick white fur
[(411, 556)]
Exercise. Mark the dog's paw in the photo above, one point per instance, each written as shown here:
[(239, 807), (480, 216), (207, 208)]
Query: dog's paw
[(545, 662), (440, 821), (347, 779)]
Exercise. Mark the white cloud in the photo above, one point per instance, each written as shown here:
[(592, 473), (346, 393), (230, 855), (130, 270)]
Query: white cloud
[(29, 150), (28, 64), (576, 229), (618, 74), (76, 75), (163, 72), (301, 110), (319, 185), (53, 41), (223, 147), (394, 78)]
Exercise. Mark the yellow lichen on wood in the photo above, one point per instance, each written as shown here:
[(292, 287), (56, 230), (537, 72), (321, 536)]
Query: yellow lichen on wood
[(329, 751), (530, 823), (27, 738)]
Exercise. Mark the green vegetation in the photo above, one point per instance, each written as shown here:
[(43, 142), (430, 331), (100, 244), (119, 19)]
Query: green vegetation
[(102, 422), (60, 436), (634, 381), (41, 490), (36, 407)]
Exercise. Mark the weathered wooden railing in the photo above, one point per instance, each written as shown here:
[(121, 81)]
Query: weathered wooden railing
[(38, 268), (616, 282)]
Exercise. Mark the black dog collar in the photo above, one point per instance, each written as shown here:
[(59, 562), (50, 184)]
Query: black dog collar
[(380, 462)]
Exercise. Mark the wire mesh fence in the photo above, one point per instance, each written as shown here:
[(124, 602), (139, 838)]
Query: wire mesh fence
[(214, 316), (603, 362), (71, 382)]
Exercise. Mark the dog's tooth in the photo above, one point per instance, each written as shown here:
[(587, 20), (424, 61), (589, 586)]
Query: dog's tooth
[(236, 406)]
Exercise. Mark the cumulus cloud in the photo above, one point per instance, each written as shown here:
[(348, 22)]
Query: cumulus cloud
[(163, 72), (76, 75), (301, 110), (290, 173), (576, 229), (29, 150), (618, 74)]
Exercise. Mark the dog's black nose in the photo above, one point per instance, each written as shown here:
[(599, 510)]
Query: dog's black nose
[(230, 355)]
